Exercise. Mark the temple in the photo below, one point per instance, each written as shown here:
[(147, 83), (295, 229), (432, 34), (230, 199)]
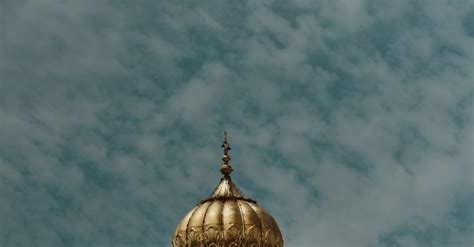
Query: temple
[(227, 218)]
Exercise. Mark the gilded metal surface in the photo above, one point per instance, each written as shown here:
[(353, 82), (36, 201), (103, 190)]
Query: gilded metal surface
[(226, 169), (227, 218)]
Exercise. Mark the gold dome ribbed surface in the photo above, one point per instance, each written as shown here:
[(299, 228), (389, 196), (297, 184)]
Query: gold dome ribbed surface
[(227, 218)]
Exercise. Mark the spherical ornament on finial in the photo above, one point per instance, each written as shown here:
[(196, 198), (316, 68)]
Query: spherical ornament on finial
[(226, 169)]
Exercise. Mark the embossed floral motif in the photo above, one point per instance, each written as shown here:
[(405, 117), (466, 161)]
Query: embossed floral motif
[(234, 237), (213, 236)]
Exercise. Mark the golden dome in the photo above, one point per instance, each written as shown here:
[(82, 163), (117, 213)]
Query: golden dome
[(227, 218)]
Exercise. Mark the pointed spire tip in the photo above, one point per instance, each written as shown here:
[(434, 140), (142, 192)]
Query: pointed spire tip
[(226, 169)]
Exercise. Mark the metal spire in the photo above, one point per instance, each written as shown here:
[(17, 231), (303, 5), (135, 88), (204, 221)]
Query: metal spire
[(226, 169)]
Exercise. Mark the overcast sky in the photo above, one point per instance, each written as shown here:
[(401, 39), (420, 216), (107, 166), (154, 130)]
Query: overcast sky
[(350, 121)]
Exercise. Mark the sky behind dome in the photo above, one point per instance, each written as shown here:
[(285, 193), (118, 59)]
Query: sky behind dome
[(350, 121)]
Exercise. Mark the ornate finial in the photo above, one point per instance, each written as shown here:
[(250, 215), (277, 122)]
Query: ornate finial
[(225, 145), (226, 169)]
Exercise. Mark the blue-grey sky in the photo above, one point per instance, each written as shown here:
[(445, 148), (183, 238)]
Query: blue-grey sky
[(351, 121)]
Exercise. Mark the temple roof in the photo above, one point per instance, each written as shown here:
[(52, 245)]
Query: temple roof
[(227, 218)]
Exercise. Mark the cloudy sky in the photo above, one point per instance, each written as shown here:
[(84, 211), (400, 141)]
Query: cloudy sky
[(350, 121)]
